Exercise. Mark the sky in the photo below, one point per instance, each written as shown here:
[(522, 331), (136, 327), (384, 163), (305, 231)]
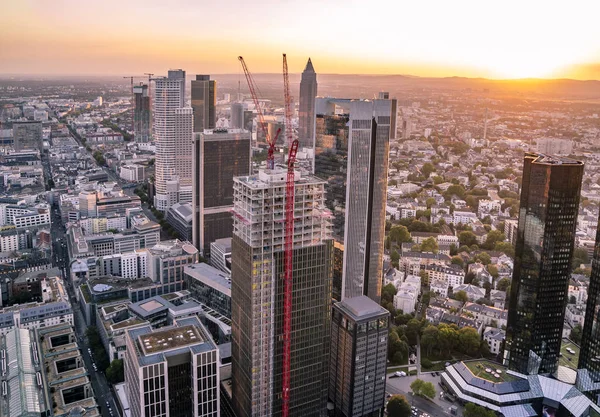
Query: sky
[(500, 39)]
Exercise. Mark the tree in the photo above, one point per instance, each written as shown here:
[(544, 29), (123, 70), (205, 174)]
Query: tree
[(457, 260), (467, 238), (395, 257), (453, 250), (469, 277), (483, 257), (115, 372), (575, 335), (469, 340), (503, 284), (506, 247), (437, 180), (580, 256), (492, 238), (399, 234), (493, 270), (430, 202), (429, 245), (572, 300), (392, 183), (429, 338), (413, 330), (427, 169), (397, 406), (461, 296), (388, 292), (447, 337), (474, 410), (422, 388)]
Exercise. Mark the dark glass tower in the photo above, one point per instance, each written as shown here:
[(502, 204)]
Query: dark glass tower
[(306, 115), (204, 101), (544, 250), (588, 375), (141, 113)]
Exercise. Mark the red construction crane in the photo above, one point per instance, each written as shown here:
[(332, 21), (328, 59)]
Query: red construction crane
[(288, 245), (261, 117)]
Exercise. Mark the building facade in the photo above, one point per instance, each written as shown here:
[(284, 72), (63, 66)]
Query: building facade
[(141, 113), (257, 296), (219, 156), (358, 358), (306, 111), (204, 101), (545, 238), (173, 130), (351, 153)]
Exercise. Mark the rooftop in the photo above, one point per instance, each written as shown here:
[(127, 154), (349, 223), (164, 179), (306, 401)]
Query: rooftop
[(168, 339), (567, 359), (361, 307), (488, 370)]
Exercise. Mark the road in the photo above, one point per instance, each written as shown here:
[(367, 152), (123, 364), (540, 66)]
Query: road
[(102, 389), (422, 404)]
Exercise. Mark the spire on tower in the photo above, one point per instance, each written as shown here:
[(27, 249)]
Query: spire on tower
[(309, 66)]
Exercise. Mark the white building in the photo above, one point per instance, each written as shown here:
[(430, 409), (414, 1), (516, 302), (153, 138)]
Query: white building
[(454, 275), (173, 128), (439, 286), (486, 314), (133, 173), (575, 314), (552, 146), (405, 300), (494, 338), (486, 207)]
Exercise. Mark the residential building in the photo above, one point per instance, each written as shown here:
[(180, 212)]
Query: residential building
[(352, 141), (358, 358), (510, 230), (554, 146), (439, 286), (454, 275), (210, 286), (173, 132), (413, 262), (405, 300), (306, 110), (142, 128), (219, 156), (494, 338), (545, 238), (172, 371), (257, 296), (27, 135), (473, 292), (204, 100), (486, 314)]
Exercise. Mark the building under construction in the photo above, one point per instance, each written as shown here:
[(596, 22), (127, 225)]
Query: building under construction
[(258, 295)]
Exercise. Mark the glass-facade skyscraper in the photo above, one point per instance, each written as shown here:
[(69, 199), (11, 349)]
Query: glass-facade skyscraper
[(204, 101), (141, 113), (352, 142), (544, 250)]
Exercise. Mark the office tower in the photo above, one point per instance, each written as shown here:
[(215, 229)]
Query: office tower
[(237, 116), (257, 296), (249, 120), (545, 237), (306, 113), (27, 136), (204, 101), (141, 113), (173, 125), (588, 374), (352, 142), (218, 156), (358, 360), (172, 371)]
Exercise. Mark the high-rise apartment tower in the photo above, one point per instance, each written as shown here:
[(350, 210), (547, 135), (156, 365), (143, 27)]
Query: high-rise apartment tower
[(544, 250), (141, 113), (352, 143), (257, 296)]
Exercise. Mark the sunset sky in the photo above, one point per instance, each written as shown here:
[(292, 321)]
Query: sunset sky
[(492, 39)]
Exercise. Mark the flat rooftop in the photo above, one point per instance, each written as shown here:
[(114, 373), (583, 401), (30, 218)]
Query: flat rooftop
[(172, 338), (361, 307), (490, 371)]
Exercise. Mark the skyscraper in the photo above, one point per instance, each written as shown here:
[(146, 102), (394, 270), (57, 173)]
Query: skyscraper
[(237, 116), (173, 135), (352, 143), (257, 296), (358, 363), (141, 114), (588, 374), (172, 371), (545, 238), (219, 155), (306, 115), (204, 100)]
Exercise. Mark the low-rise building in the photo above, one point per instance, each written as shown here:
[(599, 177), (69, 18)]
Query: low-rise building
[(494, 338), (439, 287), (454, 275), (220, 254), (210, 286), (486, 314), (473, 293)]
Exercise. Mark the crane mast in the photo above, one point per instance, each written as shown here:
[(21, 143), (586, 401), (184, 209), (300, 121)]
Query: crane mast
[(288, 244), (261, 117)]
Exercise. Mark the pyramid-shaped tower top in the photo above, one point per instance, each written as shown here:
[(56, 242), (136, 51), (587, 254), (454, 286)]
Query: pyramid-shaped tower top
[(309, 66)]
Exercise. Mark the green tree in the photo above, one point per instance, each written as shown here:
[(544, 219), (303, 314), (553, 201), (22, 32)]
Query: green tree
[(395, 257), (430, 202), (429, 245), (484, 258), (447, 337), (437, 180), (399, 234), (474, 410), (461, 296), (422, 388), (453, 250), (503, 284), (427, 169), (397, 406), (457, 260), (467, 238), (575, 335), (493, 270), (429, 338), (580, 256), (469, 340), (388, 292), (392, 183), (115, 373), (505, 247), (492, 238)]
